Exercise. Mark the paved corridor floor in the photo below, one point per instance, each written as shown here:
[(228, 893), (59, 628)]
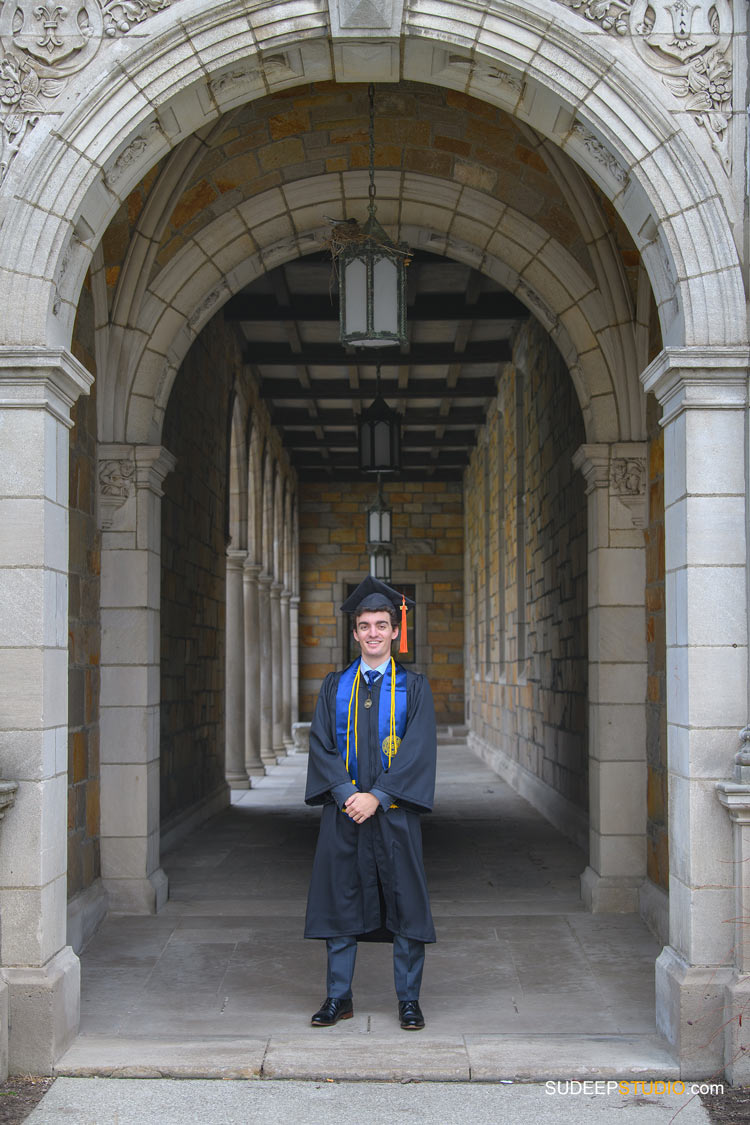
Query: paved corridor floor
[(522, 983)]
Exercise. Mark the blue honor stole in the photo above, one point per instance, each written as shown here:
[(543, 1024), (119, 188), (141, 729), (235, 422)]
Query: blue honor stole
[(391, 714)]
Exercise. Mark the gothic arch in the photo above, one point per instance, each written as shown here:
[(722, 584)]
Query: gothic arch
[(592, 328), (608, 111)]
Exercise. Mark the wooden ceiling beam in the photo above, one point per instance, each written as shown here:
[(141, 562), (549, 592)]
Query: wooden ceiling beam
[(284, 389), (427, 307)]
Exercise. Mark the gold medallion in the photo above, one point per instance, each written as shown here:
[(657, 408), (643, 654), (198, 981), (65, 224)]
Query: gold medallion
[(391, 746)]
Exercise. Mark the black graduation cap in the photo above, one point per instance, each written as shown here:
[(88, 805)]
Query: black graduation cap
[(372, 594)]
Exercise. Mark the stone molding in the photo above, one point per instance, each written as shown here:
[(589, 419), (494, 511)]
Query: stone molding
[(48, 378), (593, 461), (8, 790), (698, 378), (735, 797)]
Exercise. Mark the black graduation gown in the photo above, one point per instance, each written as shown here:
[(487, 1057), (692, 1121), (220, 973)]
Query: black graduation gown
[(369, 878)]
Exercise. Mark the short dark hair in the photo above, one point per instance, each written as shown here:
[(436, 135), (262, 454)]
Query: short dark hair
[(386, 607)]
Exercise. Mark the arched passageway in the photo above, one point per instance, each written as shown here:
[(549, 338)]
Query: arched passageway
[(157, 188), (519, 963)]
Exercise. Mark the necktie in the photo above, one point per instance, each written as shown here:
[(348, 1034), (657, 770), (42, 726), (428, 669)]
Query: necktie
[(372, 678)]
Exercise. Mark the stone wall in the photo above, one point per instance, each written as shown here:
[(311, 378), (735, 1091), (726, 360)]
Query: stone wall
[(428, 550), (526, 606), (84, 632), (193, 570)]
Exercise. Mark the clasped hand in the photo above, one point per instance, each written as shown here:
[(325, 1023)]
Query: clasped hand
[(361, 806)]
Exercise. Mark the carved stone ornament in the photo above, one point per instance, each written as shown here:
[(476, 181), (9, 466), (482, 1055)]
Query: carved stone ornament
[(41, 45), (151, 136), (116, 486), (628, 482), (601, 154), (687, 42), (491, 75), (628, 476)]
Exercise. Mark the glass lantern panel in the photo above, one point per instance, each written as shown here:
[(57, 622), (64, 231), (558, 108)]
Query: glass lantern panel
[(385, 296), (380, 566), (382, 444), (355, 296), (379, 525)]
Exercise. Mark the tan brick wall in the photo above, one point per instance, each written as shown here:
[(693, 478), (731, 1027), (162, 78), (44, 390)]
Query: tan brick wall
[(428, 552), (527, 632), (657, 840), (84, 632)]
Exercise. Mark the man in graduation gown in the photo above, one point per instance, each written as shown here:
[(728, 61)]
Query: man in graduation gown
[(372, 768)]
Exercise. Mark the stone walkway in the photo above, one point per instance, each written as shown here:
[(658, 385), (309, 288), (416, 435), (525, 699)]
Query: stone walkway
[(522, 984)]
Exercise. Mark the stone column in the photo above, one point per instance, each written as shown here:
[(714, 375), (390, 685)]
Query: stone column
[(286, 672), (294, 657), (234, 768), (276, 680), (130, 478), (616, 488), (253, 765), (735, 797), (267, 756), (38, 387), (703, 391)]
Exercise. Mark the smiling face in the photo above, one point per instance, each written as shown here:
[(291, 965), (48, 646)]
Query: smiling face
[(375, 633)]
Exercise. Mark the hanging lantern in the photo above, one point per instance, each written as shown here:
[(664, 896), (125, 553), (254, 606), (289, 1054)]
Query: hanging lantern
[(372, 274), (372, 290), (379, 437)]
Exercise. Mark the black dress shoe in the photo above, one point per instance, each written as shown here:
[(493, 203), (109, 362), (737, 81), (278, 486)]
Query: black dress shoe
[(332, 1011), (410, 1015)]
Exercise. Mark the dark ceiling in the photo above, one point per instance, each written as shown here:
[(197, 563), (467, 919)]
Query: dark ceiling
[(460, 326)]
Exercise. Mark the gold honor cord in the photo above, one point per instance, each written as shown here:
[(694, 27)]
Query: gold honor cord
[(354, 696), (392, 725)]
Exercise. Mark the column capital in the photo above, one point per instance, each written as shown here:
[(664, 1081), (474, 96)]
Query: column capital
[(252, 569), (236, 558), (276, 588), (124, 469), (48, 378), (705, 378), (593, 461), (153, 464), (735, 797), (264, 578)]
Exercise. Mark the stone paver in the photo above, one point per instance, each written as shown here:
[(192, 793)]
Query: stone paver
[(522, 983)]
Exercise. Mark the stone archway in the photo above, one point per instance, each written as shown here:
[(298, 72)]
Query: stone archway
[(612, 116)]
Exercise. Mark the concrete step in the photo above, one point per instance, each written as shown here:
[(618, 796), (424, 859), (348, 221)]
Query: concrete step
[(344, 1053)]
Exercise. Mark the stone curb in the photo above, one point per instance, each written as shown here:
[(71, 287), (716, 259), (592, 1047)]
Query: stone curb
[(480, 1058)]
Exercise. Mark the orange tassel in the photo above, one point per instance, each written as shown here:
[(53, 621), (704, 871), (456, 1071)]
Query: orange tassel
[(403, 644)]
